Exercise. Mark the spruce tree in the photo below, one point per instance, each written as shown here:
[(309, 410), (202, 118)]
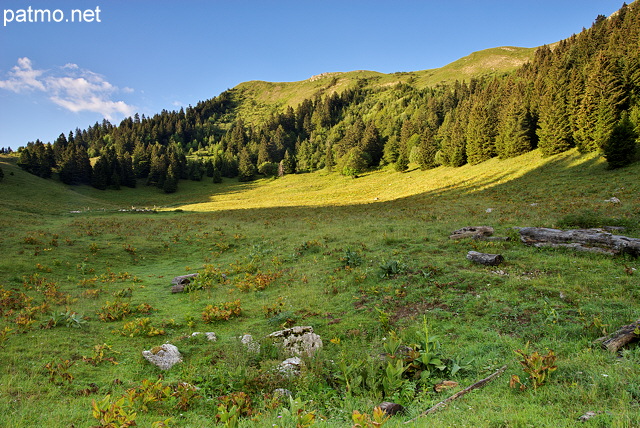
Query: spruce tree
[(288, 163), (427, 149), (217, 176), (170, 184), (246, 168), (452, 136), (514, 129), (402, 163), (100, 176), (371, 144), (554, 126), (620, 149), (353, 163)]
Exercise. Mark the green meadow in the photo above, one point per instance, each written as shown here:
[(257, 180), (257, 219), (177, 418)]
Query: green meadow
[(85, 287)]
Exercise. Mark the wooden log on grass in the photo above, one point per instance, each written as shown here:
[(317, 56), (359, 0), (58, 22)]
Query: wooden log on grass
[(179, 282), (484, 258), (592, 240), (622, 337)]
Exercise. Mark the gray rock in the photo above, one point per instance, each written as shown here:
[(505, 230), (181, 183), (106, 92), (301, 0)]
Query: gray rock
[(252, 345), (210, 335), (290, 366), (164, 356), (297, 340)]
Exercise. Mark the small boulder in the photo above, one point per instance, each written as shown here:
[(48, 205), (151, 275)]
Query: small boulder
[(297, 340), (290, 366), (252, 345), (164, 356), (484, 258), (211, 336)]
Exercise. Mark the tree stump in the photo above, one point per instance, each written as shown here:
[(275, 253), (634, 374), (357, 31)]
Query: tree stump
[(484, 258)]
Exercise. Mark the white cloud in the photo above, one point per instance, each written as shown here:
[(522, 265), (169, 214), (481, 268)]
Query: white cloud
[(23, 77), (70, 87)]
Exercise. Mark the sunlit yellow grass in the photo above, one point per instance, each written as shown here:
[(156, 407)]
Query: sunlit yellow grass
[(332, 189)]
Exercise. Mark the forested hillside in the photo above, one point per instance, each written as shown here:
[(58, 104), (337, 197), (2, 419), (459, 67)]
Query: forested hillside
[(582, 92)]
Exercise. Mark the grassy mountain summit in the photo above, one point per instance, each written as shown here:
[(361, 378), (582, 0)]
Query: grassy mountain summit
[(256, 95)]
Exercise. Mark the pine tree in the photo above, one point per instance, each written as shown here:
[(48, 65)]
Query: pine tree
[(391, 150), (452, 137), (100, 177), (402, 163), (620, 149), (170, 184), (426, 150), (353, 163), (246, 168), (288, 163), (141, 161), (371, 144), (554, 126), (329, 161), (128, 175), (217, 176), (480, 132), (514, 129)]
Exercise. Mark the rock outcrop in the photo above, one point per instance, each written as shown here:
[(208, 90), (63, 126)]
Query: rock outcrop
[(164, 356), (297, 340)]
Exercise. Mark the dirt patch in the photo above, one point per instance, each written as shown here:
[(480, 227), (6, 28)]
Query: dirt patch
[(411, 310)]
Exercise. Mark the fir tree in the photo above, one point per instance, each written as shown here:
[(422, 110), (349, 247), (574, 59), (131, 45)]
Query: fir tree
[(246, 168), (426, 150), (288, 163), (100, 177), (514, 129), (621, 146), (554, 126), (480, 132), (353, 163), (170, 184), (371, 144), (217, 176)]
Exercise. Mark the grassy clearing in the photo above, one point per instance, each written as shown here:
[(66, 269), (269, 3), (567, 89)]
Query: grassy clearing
[(356, 259)]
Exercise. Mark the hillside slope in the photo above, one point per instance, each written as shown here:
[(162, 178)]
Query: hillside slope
[(258, 96)]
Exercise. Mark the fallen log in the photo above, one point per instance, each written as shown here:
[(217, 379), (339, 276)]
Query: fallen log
[(591, 240), (475, 232), (622, 337), (179, 282), (478, 384), (484, 258)]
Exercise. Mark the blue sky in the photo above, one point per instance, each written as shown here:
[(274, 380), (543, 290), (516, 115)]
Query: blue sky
[(144, 56)]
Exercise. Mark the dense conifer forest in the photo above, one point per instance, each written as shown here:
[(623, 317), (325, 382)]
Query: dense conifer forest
[(581, 92)]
